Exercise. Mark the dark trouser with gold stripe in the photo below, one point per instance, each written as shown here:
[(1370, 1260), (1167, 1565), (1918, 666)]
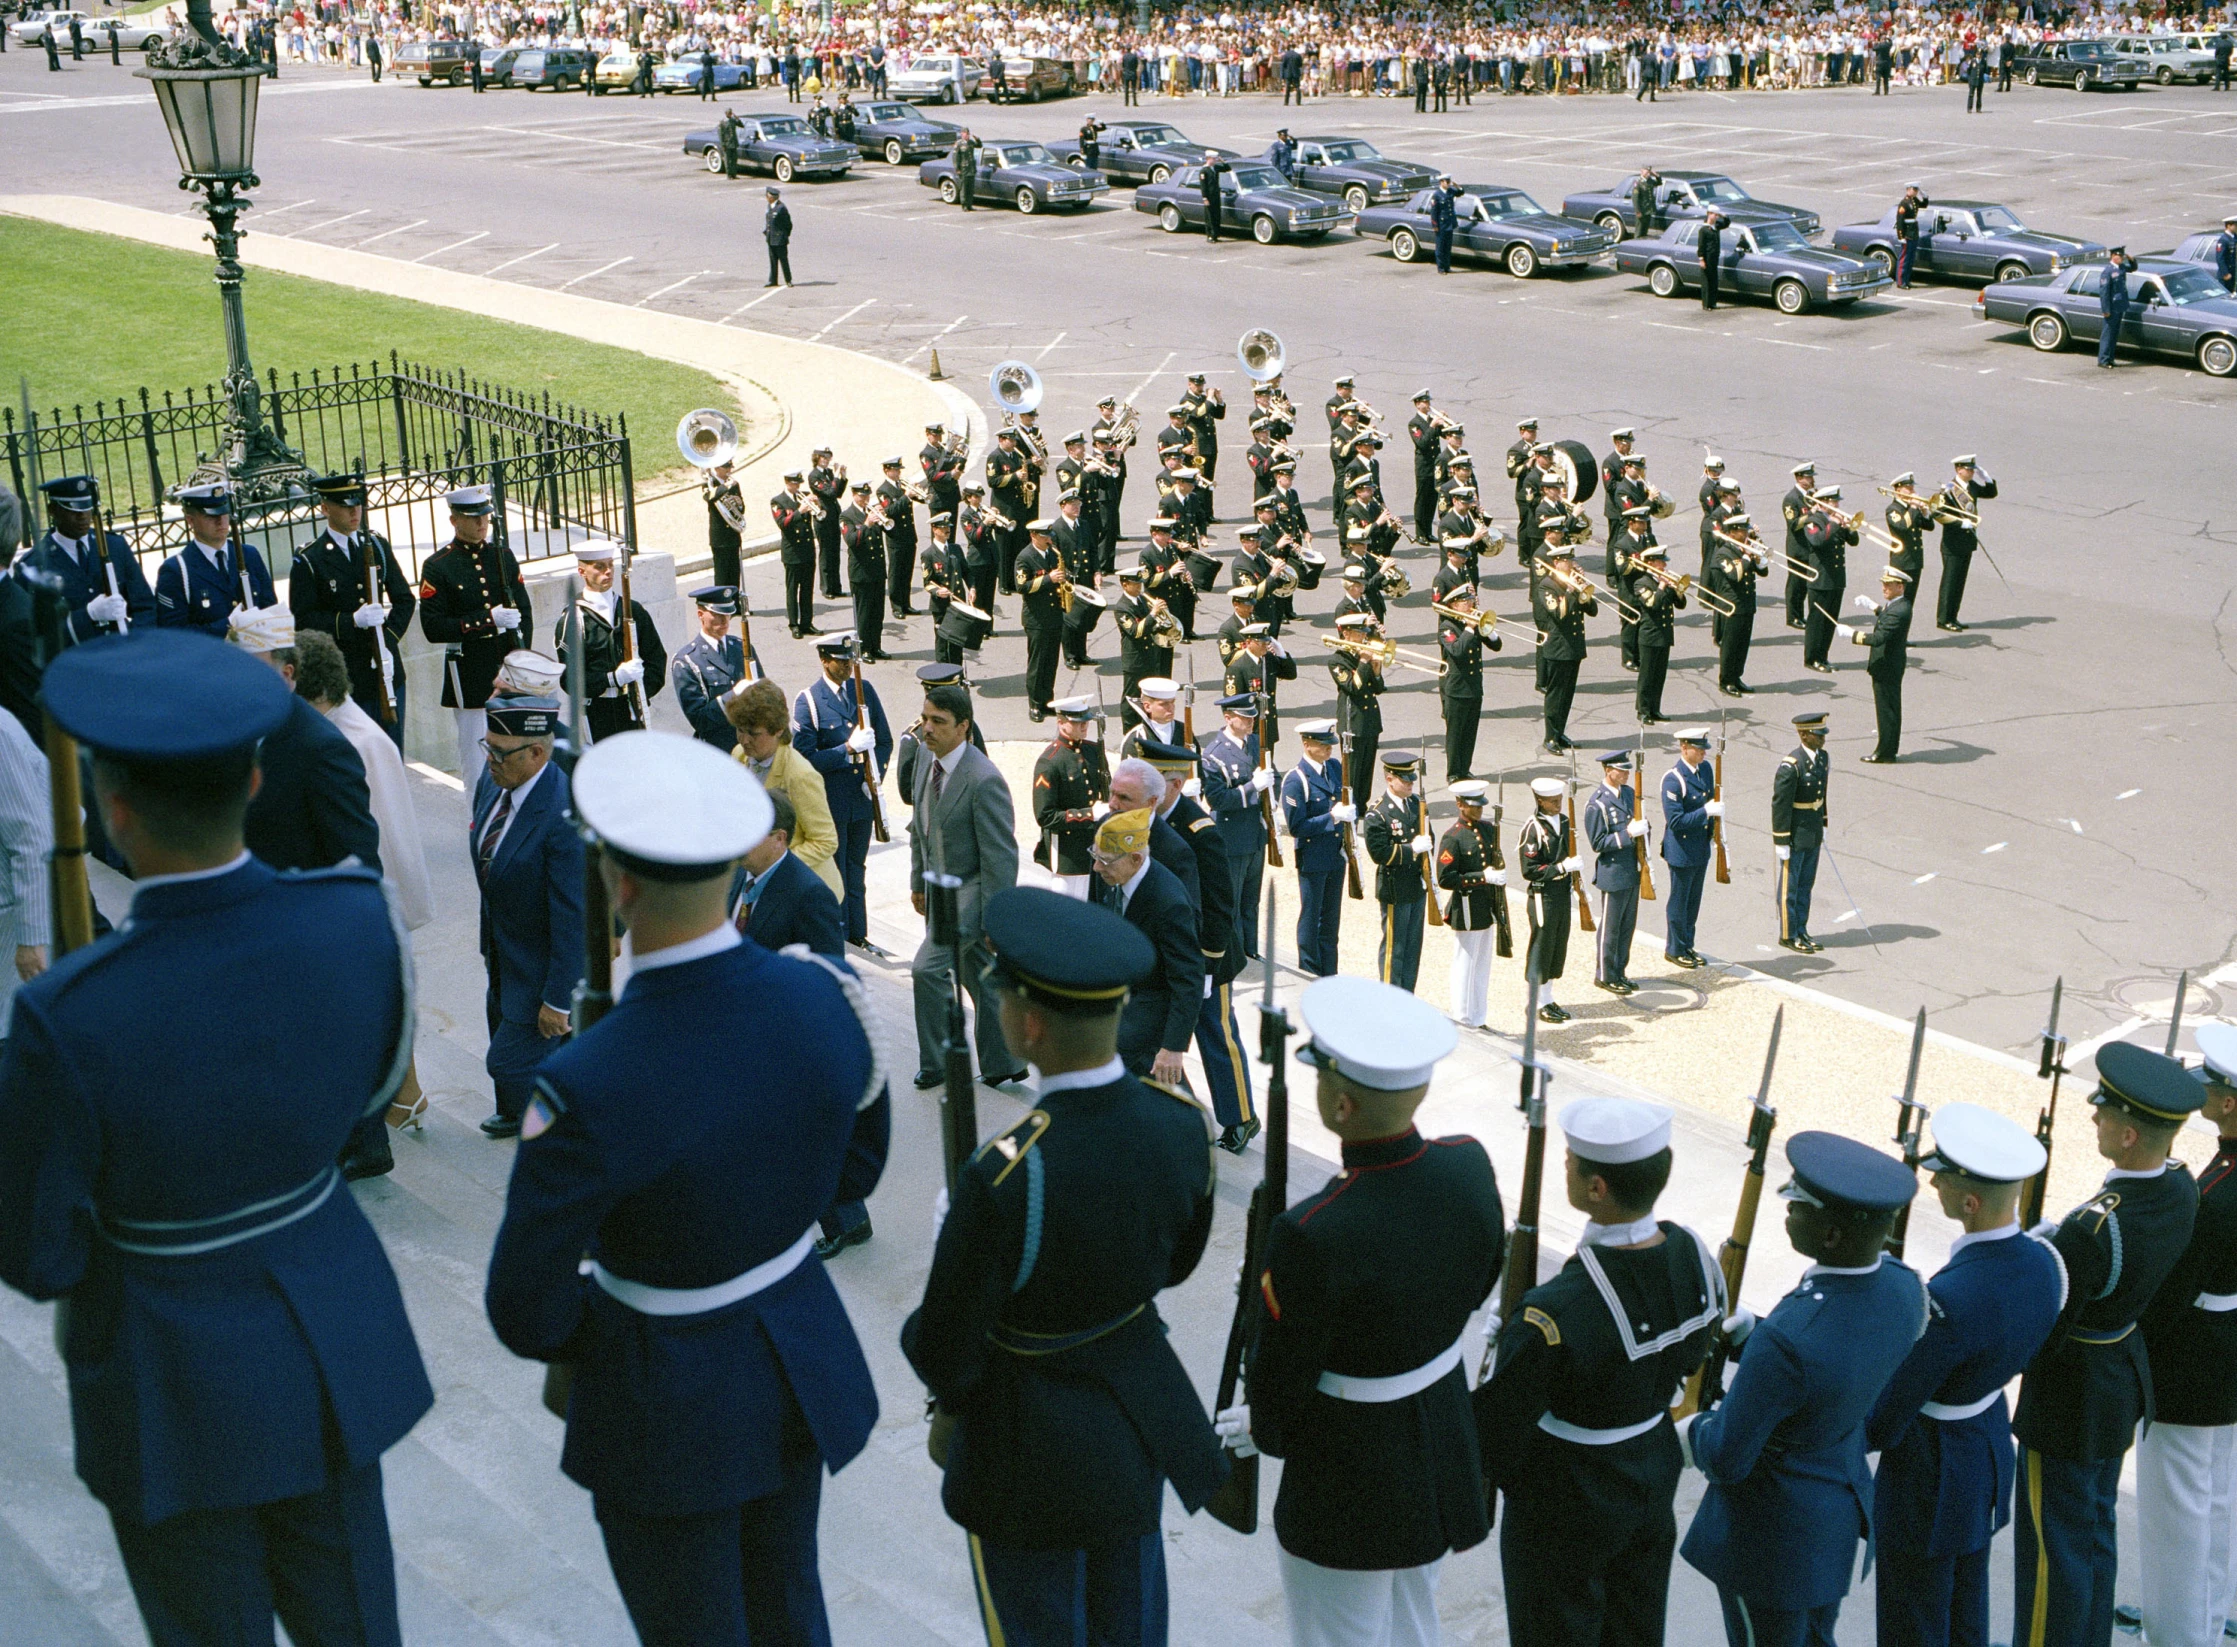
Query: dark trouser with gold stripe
[(1111, 1593), (2064, 1551), (1398, 955), (1227, 1070), (1798, 874)]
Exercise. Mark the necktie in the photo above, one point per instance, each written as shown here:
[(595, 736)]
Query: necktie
[(494, 830), (939, 781), (744, 917)]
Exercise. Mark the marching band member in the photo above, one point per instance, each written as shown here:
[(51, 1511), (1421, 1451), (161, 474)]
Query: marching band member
[(1909, 519), (1146, 633), (1890, 640), (794, 511), (1826, 536), (1737, 566), (1795, 509), (1560, 600), (1658, 602), (1959, 507), (1461, 642)]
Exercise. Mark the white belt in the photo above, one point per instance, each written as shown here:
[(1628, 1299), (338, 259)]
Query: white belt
[(2218, 1302), (1971, 1409), (1562, 1429), (699, 1300), (1344, 1387)]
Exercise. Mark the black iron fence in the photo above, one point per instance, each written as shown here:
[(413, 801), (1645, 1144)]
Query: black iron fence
[(559, 474)]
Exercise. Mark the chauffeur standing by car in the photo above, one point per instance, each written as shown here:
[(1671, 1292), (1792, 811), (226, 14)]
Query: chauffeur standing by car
[(2112, 303), (1709, 245)]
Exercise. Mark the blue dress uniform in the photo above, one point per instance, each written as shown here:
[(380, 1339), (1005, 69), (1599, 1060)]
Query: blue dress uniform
[(236, 1346), (1309, 791), (199, 587), (822, 721), (1789, 1491), (66, 551), (1228, 766), (1615, 871), (687, 1142), (1063, 1408), (705, 672), (2090, 1386), (1687, 789), (1798, 808), (1941, 1428)]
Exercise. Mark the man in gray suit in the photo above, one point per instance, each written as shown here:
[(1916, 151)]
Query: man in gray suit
[(962, 823)]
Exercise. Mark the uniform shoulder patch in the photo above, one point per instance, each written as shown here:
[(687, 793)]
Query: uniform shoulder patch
[(426, 590), (1012, 1142), (1202, 824), (1533, 1316)]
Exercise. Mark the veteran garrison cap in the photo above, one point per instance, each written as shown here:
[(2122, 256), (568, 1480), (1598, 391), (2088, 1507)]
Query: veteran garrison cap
[(2149, 1085), (1064, 951), (163, 695), (1844, 1175), (261, 628), (524, 717), (1124, 832), (669, 807), (529, 674)]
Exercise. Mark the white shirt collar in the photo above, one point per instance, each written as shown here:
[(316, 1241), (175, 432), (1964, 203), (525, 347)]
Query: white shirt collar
[(1126, 892), (714, 942), (341, 539), (2134, 1172), (953, 758), (1975, 1237), (520, 795), (1836, 1269), (1100, 1076), (1621, 1235), (180, 879)]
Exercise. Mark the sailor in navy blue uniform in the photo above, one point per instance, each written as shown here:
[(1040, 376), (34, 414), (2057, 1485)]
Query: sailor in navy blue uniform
[(1235, 789), (824, 730), (1790, 1494), (1689, 805), (1063, 1410), (235, 1342), (687, 1142), (1315, 812), (1575, 1420), (2091, 1384), (1941, 1428), (1355, 1373), (2186, 1463), (1613, 826), (106, 592), (711, 665), (199, 587)]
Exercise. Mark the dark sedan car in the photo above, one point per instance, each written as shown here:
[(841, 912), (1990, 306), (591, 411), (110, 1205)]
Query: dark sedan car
[(2174, 308), (1140, 151), (536, 68), (779, 144), (2196, 248), (1969, 240), (2086, 65), (1502, 225), (1685, 194), (1251, 196), (1759, 260), (1356, 171), (894, 132), (1024, 175)]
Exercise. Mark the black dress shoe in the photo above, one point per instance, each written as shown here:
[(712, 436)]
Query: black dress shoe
[(1791, 624), (1016, 1078), (871, 949), (1796, 944), (1631, 664), (927, 1079), (1821, 668), (830, 1246), (1602, 983), (1730, 691), (501, 1126), (1951, 628), (372, 1163), (1237, 1138), (1550, 1013), (1879, 760)]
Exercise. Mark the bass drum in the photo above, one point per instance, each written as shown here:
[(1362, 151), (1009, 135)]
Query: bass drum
[(1574, 459), (966, 626), (1087, 611), (1203, 570)]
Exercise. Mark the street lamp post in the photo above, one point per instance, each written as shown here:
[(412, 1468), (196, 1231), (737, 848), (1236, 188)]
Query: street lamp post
[(207, 89)]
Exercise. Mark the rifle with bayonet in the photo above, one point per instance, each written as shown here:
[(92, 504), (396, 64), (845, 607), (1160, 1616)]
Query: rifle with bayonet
[(2050, 1066), (1520, 1272), (1266, 764), (1639, 811), (1706, 1387), (2175, 1018), (1716, 793), (1585, 922), (70, 896), (1505, 945), (1910, 1124)]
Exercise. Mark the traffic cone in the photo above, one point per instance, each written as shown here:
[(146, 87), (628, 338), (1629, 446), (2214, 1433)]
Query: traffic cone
[(936, 375)]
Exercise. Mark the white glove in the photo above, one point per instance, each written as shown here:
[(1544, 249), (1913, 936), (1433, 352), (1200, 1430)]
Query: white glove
[(1491, 1326), (1497, 877), (1784, 852), (368, 616), (1276, 649), (939, 1211), (1738, 1325), (1715, 809), (1685, 1439), (505, 617), (1422, 845), (1342, 812), (1102, 810), (630, 673), (1263, 779), (1567, 866), (861, 740), (1865, 603), (1209, 986), (1193, 787), (112, 609), (1635, 828), (1233, 1427), (1844, 631)]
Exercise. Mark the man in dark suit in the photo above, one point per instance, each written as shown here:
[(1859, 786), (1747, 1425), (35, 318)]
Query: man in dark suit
[(1208, 182), (776, 230), (1293, 75), (1160, 1015), (1709, 243), (1890, 641), (528, 862), (776, 900)]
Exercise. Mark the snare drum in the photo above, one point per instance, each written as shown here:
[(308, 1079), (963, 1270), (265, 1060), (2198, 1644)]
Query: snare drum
[(965, 626), (1311, 564)]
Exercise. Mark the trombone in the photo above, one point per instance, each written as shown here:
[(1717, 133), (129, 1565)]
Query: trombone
[(1763, 550), (1950, 512), (1484, 622), (1384, 654), (1684, 585)]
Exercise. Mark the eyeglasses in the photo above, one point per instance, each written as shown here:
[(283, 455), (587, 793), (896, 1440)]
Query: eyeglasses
[(498, 756)]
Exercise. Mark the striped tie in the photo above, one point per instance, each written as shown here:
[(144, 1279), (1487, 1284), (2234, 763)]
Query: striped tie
[(494, 830)]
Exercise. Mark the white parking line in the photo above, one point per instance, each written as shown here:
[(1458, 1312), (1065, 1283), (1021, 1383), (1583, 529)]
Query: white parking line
[(935, 338), (479, 234), (523, 258), (671, 286), (297, 234), (385, 233), (1052, 343), (436, 775), (601, 269), (292, 205), (843, 319), (1152, 378), (743, 307)]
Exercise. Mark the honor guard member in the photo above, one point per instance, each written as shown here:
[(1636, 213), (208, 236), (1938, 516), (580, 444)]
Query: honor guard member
[(1549, 865), (612, 681), (1560, 610), (1071, 795), (1235, 790), (1658, 601), (1314, 811), (2092, 1383), (713, 664), (474, 604), (1355, 1373), (686, 1144), (825, 730), (1890, 641), (1461, 642), (1062, 1410), (1827, 535), (1422, 430), (1794, 509), (1909, 518), (1205, 409), (1738, 566), (1575, 1418), (1359, 700), (1257, 670), (863, 539), (828, 484), (796, 549), (1041, 584), (235, 1343), (1789, 1495), (201, 585), (1396, 826), (1156, 718), (1614, 827), (1159, 1018), (1473, 869), (900, 539), (2186, 1462), (107, 593), (1798, 807), (1142, 629), (726, 515), (1941, 1428), (1689, 810), (1960, 514), (348, 585)]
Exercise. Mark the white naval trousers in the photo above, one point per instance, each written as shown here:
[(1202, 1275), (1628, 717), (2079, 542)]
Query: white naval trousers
[(2186, 1499), (1471, 976), (1334, 1607), (473, 726)]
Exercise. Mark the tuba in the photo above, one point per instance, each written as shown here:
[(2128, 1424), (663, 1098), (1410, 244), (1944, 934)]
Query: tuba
[(1016, 387), (1260, 354), (707, 438)]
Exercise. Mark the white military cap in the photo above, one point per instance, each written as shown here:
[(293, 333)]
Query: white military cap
[(1470, 789), (2218, 1043), (1614, 1131), (1374, 1035), (669, 807), (1622, 434), (1894, 574), (261, 628), (594, 549), (1353, 618), (469, 500), (1970, 460), (1162, 523), (1157, 686), (530, 673), (1551, 788), (1695, 734), (1323, 731), (1982, 1144), (1190, 475), (1075, 709), (1043, 526)]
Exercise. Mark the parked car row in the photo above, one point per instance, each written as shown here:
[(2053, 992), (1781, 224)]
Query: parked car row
[(132, 34)]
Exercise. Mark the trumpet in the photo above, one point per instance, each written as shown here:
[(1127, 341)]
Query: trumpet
[(1441, 423), (1854, 523), (814, 505), (994, 517), (914, 491), (1683, 584), (1096, 466), (875, 515), (1384, 654)]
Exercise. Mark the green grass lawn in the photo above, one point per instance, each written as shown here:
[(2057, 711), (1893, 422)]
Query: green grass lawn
[(97, 317)]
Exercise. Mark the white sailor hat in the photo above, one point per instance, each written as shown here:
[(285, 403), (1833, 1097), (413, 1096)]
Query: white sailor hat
[(1475, 791), (1420, 395), (1526, 423), (1070, 494), (2217, 1043), (1551, 788), (594, 549), (530, 674), (1249, 530), (669, 807), (469, 500), (1728, 484), (1346, 381), (1074, 709), (261, 628), (1323, 731), (1639, 511), (1374, 1035), (1712, 461), (1828, 494), (1982, 1144), (1157, 686), (1559, 551), (891, 463), (1041, 527), (1262, 631), (1162, 523), (1737, 520), (1176, 411), (1803, 469), (1553, 477), (1894, 574), (1698, 735), (1613, 1132), (1355, 573), (1623, 434)]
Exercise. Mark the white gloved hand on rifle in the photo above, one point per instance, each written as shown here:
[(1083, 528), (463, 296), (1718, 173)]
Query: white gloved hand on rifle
[(368, 616), (1342, 812), (1263, 779), (1715, 809), (1497, 877), (861, 740), (1784, 852), (111, 609), (1635, 828), (1567, 866), (1193, 787), (633, 671), (1738, 1325), (505, 617), (1422, 845), (1233, 1427)]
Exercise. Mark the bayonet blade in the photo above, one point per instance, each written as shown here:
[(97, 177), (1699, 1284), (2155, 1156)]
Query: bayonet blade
[(1770, 1058), (1918, 1046), (2049, 1061), (2175, 1019)]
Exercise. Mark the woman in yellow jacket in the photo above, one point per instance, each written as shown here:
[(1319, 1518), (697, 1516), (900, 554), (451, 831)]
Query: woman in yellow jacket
[(764, 723)]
